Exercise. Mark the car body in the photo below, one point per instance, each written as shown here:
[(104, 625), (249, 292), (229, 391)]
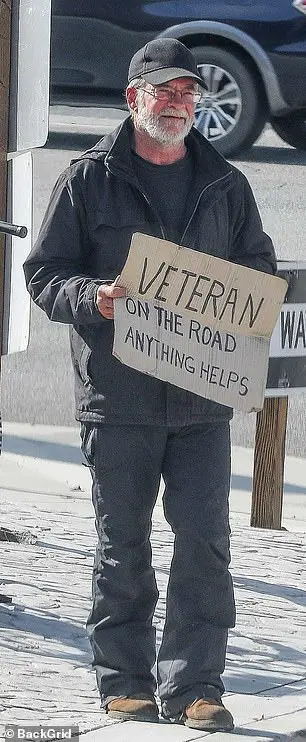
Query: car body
[(251, 53)]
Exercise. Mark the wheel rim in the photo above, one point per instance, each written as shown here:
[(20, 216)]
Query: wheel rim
[(219, 111)]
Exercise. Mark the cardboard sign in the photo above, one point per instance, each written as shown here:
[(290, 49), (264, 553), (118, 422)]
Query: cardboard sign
[(216, 292), (196, 321), (221, 366)]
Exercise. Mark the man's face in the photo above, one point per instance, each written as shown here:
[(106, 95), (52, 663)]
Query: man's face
[(167, 121)]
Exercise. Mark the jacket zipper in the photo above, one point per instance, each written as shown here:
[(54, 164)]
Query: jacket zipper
[(194, 210), (145, 198), (210, 185), (198, 201), (156, 216)]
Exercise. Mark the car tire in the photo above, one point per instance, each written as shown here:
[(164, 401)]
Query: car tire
[(243, 116), (292, 128)]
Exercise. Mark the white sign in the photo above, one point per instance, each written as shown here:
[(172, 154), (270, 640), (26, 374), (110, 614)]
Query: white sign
[(220, 366), (287, 365), (289, 335), (16, 310), (30, 74)]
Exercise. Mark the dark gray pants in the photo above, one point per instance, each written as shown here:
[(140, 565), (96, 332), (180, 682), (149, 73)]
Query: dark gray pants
[(126, 464)]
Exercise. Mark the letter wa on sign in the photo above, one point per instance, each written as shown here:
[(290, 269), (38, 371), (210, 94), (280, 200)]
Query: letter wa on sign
[(289, 336)]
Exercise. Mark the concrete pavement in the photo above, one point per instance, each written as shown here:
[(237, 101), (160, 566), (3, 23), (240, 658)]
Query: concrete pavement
[(87, 119), (46, 676)]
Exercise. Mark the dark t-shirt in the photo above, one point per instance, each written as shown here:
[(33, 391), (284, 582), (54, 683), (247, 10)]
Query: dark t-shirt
[(167, 188)]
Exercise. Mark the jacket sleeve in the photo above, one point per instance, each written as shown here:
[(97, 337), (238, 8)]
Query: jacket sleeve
[(55, 270), (251, 246)]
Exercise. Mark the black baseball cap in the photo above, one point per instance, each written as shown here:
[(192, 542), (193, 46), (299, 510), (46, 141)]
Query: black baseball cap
[(162, 60)]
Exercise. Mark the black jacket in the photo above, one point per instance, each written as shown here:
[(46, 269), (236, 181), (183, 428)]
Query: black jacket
[(96, 206)]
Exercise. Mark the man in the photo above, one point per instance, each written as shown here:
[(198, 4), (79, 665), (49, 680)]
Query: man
[(156, 175)]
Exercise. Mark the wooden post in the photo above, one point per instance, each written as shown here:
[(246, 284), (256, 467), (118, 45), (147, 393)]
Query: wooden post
[(5, 51), (269, 459)]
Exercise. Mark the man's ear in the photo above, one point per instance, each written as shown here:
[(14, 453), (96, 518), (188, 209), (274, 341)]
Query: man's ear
[(131, 96)]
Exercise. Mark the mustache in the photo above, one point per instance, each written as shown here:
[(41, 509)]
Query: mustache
[(175, 114)]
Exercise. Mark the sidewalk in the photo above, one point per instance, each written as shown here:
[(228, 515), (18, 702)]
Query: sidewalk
[(86, 119), (46, 677)]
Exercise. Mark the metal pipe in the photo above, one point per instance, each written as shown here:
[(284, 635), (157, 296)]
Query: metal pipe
[(13, 229)]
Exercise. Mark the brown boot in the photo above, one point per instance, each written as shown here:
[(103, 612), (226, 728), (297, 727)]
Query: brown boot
[(208, 714), (133, 709)]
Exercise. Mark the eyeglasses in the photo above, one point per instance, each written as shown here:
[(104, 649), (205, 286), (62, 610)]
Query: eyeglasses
[(169, 94)]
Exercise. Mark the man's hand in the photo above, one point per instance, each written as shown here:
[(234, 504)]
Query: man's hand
[(105, 298)]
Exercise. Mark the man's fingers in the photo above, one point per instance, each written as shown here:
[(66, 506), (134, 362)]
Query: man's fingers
[(106, 311), (105, 296), (115, 291)]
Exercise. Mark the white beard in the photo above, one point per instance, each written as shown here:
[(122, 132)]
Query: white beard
[(152, 123)]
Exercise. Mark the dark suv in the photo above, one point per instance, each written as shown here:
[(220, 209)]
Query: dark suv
[(251, 53)]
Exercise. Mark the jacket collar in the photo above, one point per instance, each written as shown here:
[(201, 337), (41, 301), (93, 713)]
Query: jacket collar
[(115, 150)]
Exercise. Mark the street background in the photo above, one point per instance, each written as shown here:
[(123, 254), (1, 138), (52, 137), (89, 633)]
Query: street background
[(37, 385)]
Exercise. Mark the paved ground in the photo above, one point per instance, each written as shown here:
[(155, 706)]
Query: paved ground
[(46, 676)]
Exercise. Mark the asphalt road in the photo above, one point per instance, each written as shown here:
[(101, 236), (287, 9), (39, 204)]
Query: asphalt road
[(37, 385)]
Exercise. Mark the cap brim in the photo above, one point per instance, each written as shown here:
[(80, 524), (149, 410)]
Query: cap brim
[(157, 77)]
